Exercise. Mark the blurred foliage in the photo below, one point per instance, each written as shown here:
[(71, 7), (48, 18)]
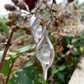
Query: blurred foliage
[(26, 75), (62, 70), (3, 28)]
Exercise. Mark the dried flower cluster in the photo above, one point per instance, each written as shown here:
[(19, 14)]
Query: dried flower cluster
[(15, 18), (59, 20)]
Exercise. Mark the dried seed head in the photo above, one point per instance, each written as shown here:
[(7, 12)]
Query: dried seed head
[(12, 16), (14, 28), (8, 22), (21, 5), (9, 7), (15, 1), (17, 26), (19, 17), (26, 28), (28, 31)]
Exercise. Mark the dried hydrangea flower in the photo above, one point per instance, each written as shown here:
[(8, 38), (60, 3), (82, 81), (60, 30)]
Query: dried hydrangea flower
[(15, 1), (22, 5), (9, 7)]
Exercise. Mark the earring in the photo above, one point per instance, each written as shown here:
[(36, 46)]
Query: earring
[(44, 51)]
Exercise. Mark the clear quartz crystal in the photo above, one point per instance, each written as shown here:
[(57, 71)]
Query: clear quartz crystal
[(37, 28), (43, 54), (38, 32)]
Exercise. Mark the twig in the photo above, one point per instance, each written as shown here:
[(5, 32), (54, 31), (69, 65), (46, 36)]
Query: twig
[(29, 38), (18, 39), (67, 53), (2, 45), (6, 49), (52, 67), (51, 14)]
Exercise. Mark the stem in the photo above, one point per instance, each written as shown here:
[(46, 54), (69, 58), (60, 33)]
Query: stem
[(19, 39), (9, 72), (52, 67), (66, 54), (52, 79), (5, 50)]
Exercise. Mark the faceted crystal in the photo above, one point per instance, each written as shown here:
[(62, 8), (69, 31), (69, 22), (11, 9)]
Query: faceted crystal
[(37, 29), (38, 32), (43, 54)]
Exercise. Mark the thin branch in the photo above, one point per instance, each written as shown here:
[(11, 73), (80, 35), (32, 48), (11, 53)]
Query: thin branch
[(1, 46), (5, 50), (18, 39), (29, 38), (67, 53), (51, 77), (51, 14)]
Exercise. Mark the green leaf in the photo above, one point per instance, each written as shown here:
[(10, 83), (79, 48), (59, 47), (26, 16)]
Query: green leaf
[(61, 68), (71, 64), (5, 68), (7, 58), (30, 54), (53, 9), (41, 80), (26, 75), (55, 71), (60, 76), (11, 53), (45, 12), (77, 2), (30, 63), (26, 48), (60, 82), (74, 40)]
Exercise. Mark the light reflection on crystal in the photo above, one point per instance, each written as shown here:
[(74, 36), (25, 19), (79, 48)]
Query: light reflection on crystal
[(43, 54)]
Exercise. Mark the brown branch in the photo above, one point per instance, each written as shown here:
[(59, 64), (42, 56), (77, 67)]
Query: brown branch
[(6, 49), (51, 77), (18, 39), (3, 44), (67, 53)]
